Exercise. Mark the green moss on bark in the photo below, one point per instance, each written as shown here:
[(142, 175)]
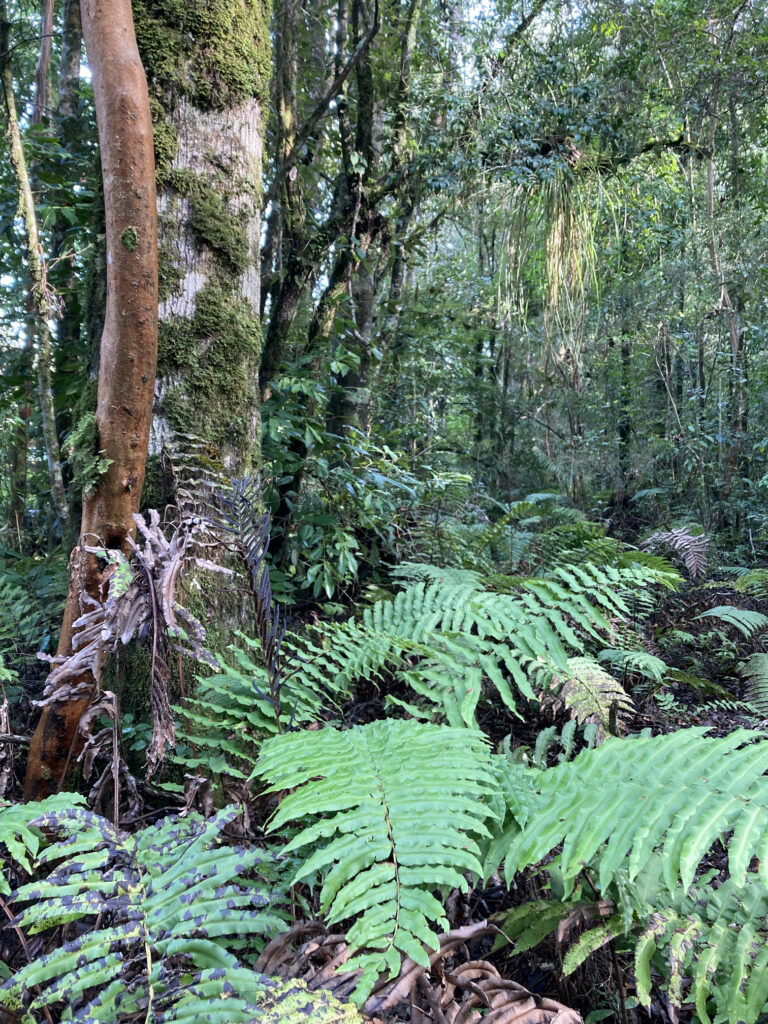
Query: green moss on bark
[(130, 238), (169, 272), (214, 52), (214, 355), (166, 140), (211, 221), (202, 56)]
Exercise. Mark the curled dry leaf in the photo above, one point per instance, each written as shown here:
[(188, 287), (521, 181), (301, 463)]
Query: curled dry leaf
[(467, 993), (581, 916), (309, 952)]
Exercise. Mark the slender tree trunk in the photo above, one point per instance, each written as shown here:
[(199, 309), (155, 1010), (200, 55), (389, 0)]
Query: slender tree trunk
[(738, 382), (127, 356), (20, 445), (42, 104), (285, 228), (68, 327), (37, 276)]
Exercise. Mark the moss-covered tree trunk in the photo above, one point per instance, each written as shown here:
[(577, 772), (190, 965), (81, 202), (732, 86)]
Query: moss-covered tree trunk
[(208, 65)]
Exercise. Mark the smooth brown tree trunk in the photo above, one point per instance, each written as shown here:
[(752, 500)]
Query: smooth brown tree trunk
[(128, 350)]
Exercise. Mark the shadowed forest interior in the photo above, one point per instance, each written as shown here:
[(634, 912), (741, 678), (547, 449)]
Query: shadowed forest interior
[(384, 514)]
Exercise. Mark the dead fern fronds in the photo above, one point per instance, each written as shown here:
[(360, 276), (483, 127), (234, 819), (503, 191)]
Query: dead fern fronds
[(461, 994), (691, 548), (238, 515), (140, 603), (593, 695)]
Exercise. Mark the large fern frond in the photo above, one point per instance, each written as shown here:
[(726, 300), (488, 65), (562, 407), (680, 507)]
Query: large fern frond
[(692, 788), (448, 635), (397, 808), (457, 634), (164, 903)]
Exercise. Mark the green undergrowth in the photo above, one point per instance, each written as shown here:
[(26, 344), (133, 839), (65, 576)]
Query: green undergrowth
[(506, 740)]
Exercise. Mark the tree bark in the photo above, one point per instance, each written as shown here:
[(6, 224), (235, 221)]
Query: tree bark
[(208, 141), (128, 351), (42, 104)]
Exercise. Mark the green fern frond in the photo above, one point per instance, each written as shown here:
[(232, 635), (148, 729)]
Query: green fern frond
[(752, 582), (168, 899), (382, 842), (450, 636), (745, 708), (747, 622), (656, 569), (458, 634), (692, 790), (423, 572), (634, 662)]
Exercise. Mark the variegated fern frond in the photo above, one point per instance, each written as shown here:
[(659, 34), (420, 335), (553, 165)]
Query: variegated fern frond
[(754, 671), (593, 695), (709, 944), (157, 912), (691, 548), (716, 938)]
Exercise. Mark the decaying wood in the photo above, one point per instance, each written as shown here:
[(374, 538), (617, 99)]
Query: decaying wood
[(128, 356)]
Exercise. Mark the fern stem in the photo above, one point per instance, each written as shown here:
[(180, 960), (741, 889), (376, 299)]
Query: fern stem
[(395, 864), (614, 960)]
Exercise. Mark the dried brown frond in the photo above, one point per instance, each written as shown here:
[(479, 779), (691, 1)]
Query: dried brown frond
[(445, 993), (690, 548)]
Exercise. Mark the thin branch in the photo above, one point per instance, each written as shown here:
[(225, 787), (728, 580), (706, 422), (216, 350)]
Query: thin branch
[(322, 107), (528, 20)]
